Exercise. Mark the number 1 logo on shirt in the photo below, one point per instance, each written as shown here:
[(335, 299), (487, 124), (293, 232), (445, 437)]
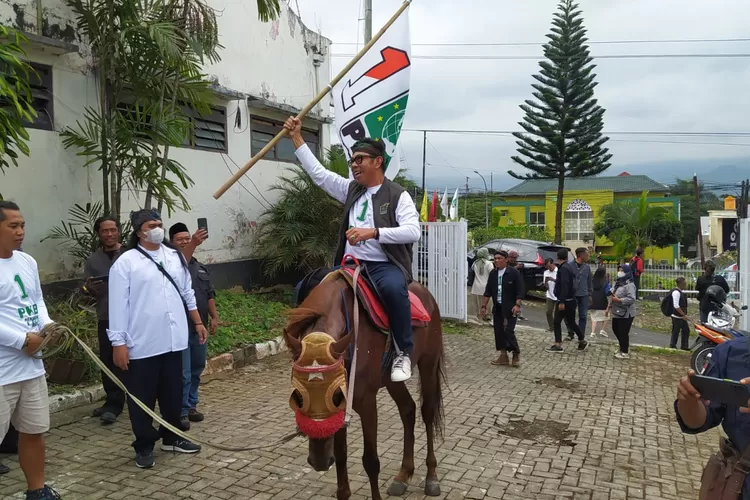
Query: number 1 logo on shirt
[(19, 282)]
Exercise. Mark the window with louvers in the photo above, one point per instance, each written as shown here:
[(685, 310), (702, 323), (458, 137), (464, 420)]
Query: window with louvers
[(263, 130), (43, 99), (209, 131)]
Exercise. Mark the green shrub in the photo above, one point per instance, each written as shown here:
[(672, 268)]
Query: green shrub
[(483, 235)]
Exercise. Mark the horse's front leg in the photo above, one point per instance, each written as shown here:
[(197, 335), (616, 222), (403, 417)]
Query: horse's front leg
[(342, 475), (368, 414)]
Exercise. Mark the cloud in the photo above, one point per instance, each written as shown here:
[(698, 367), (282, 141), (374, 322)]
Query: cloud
[(697, 94)]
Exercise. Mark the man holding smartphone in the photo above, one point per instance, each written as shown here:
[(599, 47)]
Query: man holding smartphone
[(96, 269), (696, 413), (194, 357)]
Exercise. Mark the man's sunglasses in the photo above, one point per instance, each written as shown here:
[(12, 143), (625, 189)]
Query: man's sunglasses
[(359, 159)]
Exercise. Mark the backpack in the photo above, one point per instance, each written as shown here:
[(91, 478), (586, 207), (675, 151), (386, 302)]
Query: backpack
[(667, 304)]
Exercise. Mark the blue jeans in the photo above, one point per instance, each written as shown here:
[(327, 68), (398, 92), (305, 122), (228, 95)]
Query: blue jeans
[(193, 363), (583, 309), (394, 293)]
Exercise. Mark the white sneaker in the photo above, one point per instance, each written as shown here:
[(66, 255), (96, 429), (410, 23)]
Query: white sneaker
[(603, 333), (593, 335), (622, 355), (401, 370)]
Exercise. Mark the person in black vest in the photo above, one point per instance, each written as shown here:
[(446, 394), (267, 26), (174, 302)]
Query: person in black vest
[(505, 286), (680, 320), (380, 225)]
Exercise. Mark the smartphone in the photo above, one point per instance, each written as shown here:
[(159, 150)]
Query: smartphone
[(722, 391), (203, 224)]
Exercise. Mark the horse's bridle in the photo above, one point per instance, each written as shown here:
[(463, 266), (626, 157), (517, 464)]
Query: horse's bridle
[(315, 379)]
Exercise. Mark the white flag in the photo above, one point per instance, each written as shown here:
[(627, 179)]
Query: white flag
[(444, 204), (454, 206), (370, 101)]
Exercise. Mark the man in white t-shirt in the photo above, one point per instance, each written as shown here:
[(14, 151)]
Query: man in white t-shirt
[(380, 226), (23, 389), (550, 275)]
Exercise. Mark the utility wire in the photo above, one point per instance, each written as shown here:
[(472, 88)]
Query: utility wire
[(614, 132), (478, 57), (597, 42)]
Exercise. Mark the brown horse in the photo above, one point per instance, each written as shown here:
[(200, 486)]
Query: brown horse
[(329, 309)]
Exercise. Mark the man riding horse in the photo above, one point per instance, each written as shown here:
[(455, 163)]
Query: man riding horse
[(379, 229)]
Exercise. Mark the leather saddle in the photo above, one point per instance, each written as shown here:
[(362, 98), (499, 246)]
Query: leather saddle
[(367, 292)]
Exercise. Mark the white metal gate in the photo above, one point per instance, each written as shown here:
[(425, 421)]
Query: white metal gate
[(440, 265), (744, 261)]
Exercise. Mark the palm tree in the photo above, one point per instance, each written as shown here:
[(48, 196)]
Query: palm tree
[(301, 230), (638, 225)]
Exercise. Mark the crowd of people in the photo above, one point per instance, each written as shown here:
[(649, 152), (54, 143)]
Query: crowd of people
[(576, 291), (155, 305)]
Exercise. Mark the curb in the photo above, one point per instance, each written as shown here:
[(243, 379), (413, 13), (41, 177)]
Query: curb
[(229, 361)]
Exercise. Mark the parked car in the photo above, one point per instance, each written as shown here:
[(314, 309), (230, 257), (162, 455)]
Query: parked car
[(530, 253)]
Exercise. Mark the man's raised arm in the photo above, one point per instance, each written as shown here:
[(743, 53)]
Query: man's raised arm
[(330, 182)]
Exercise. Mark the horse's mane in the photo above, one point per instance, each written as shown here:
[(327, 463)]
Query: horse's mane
[(301, 319), (313, 308)]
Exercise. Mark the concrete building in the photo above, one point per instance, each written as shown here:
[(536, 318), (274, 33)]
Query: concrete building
[(534, 202), (267, 72)]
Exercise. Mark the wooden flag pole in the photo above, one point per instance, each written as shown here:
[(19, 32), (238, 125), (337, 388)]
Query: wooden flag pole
[(263, 152)]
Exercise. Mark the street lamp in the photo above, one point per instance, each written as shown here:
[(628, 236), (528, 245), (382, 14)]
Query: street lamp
[(486, 206)]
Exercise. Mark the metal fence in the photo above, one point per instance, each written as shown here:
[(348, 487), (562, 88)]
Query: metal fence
[(661, 278), (440, 265)]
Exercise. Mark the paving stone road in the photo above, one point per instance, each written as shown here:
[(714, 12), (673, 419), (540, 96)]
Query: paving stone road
[(563, 426)]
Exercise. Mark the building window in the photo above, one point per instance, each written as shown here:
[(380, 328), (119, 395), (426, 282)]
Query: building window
[(579, 221), (43, 99), (537, 219), (503, 213), (263, 130), (209, 131)]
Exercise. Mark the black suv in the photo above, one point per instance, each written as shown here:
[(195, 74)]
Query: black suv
[(530, 253)]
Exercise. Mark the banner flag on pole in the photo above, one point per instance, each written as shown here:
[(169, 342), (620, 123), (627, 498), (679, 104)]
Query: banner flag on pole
[(444, 204), (433, 207), (370, 101), (454, 207), (424, 212)]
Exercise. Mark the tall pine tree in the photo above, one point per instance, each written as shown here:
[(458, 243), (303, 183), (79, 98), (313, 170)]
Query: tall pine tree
[(563, 124)]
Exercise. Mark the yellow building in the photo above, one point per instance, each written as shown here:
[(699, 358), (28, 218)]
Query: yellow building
[(534, 202)]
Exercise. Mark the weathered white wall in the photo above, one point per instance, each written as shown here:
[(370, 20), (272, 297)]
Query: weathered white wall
[(269, 60)]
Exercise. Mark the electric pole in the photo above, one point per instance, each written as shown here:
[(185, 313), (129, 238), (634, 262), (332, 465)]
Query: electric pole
[(424, 160), (491, 193), (466, 198), (368, 20), (700, 229)]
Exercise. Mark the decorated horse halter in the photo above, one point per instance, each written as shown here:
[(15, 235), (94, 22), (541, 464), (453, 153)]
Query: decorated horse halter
[(317, 375)]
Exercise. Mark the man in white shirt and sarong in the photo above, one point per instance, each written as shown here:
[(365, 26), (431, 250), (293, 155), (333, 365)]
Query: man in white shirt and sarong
[(150, 299), (23, 386), (380, 226)]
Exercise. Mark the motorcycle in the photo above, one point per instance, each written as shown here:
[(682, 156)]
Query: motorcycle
[(719, 328)]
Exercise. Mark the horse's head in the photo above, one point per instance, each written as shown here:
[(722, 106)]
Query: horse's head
[(318, 395)]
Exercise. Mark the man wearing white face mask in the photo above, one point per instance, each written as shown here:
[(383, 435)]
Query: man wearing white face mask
[(151, 300)]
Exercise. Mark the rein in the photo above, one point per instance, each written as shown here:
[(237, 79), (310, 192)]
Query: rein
[(54, 333), (353, 369)]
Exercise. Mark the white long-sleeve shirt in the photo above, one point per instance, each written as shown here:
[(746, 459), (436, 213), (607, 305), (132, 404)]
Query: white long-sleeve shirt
[(361, 213), (145, 310), (22, 310)]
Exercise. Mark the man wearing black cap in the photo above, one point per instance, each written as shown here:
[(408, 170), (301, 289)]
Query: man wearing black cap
[(380, 226), (150, 298), (194, 357)]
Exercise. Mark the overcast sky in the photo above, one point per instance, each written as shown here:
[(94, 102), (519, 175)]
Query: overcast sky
[(695, 94)]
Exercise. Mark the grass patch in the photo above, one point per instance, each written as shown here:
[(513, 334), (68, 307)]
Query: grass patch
[(247, 318), (650, 317), (661, 350), (455, 328)]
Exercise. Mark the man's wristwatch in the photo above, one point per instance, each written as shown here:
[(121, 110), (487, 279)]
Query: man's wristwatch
[(377, 234)]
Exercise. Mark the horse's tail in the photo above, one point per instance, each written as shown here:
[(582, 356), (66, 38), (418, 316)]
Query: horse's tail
[(438, 423)]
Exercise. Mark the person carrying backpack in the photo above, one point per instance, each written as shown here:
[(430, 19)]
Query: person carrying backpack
[(675, 305)]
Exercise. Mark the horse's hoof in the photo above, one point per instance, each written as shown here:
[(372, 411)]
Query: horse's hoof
[(397, 488), (432, 489)]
